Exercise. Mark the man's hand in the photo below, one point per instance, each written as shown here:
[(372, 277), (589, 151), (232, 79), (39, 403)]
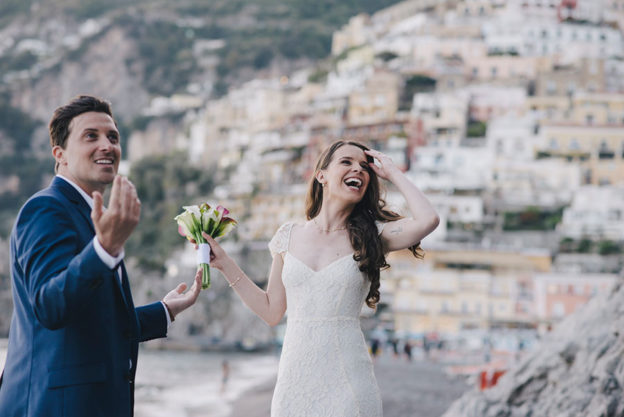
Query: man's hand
[(115, 225), (177, 300)]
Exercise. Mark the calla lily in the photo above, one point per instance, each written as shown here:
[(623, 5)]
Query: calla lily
[(203, 218), (225, 226)]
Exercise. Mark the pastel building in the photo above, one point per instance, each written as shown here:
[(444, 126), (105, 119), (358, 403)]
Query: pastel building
[(558, 295)]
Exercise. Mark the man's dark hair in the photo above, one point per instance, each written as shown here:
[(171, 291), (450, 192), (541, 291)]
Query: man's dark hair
[(62, 117)]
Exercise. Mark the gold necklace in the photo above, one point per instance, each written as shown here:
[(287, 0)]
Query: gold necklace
[(328, 230)]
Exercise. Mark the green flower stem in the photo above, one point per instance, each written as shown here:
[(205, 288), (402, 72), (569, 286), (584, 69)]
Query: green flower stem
[(205, 276)]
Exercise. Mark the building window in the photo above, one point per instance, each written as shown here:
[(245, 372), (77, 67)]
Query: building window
[(589, 119), (500, 147), (604, 152), (558, 310), (551, 87)]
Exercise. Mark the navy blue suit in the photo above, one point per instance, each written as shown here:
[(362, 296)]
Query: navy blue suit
[(74, 335)]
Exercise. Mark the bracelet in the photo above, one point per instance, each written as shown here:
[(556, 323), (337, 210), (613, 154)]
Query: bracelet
[(232, 284), (169, 311)]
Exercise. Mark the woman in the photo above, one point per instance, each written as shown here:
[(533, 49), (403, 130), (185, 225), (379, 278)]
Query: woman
[(324, 270)]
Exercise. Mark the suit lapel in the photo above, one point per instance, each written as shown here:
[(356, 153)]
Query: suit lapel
[(74, 197), (127, 297), (69, 192)]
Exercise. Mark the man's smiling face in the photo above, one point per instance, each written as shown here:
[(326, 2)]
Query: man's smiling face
[(92, 151)]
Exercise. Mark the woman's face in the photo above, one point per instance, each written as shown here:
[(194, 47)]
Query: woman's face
[(346, 177)]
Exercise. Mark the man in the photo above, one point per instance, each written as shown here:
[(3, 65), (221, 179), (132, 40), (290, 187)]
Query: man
[(73, 341)]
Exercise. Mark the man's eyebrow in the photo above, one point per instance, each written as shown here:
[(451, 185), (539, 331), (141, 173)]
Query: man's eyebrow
[(93, 129)]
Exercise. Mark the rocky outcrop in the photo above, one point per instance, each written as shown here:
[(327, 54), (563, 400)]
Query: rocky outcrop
[(576, 371), (102, 70)]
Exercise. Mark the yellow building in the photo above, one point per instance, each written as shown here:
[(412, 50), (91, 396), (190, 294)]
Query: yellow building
[(598, 149), (260, 216), (377, 101), (461, 288)]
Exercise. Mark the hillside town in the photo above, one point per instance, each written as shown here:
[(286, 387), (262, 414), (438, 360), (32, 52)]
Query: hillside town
[(508, 114)]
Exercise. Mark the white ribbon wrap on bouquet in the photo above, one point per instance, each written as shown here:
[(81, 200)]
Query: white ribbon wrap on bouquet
[(203, 254)]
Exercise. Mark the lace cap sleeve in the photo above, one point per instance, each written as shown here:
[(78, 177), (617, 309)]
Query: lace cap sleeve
[(380, 226), (279, 241)]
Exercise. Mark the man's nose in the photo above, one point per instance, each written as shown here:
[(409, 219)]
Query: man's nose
[(105, 144)]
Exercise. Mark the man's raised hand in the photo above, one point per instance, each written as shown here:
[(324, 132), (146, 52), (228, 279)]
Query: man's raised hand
[(114, 225)]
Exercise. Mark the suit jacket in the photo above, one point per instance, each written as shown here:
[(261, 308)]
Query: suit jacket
[(73, 340)]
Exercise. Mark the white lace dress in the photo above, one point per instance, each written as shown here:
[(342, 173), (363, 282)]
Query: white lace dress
[(325, 369)]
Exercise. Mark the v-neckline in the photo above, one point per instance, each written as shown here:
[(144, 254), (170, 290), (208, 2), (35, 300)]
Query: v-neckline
[(324, 267)]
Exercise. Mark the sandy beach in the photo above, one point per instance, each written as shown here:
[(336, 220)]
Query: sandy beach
[(188, 384), (408, 389)]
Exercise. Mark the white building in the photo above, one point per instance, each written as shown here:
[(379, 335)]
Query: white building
[(545, 182), (517, 33), (513, 136), (450, 169), (596, 212), (589, 41), (489, 101)]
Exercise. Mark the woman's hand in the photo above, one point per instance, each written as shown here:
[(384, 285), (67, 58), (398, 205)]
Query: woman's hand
[(218, 257), (386, 169)]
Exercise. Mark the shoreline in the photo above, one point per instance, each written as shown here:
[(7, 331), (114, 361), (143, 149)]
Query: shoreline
[(188, 384)]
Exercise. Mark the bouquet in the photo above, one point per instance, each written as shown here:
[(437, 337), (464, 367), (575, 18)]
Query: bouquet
[(203, 218)]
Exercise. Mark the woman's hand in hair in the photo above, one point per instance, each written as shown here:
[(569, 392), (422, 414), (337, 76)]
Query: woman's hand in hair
[(385, 167)]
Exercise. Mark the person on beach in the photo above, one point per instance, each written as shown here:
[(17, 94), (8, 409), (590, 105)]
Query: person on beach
[(225, 374), (73, 340), (324, 270)]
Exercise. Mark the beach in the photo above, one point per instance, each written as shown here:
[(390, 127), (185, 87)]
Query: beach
[(189, 384), (419, 388)]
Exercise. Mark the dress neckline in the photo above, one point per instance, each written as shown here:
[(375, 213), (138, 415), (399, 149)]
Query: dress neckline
[(308, 267), (316, 271)]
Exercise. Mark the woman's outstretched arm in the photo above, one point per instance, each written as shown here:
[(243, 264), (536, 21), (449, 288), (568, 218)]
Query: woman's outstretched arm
[(269, 305)]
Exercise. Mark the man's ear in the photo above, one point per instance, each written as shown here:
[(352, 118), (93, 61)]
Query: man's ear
[(59, 155)]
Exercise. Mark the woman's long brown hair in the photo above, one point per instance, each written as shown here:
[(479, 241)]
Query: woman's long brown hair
[(365, 239)]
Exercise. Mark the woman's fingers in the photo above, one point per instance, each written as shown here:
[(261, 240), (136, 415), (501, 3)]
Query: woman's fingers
[(208, 238), (214, 246)]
